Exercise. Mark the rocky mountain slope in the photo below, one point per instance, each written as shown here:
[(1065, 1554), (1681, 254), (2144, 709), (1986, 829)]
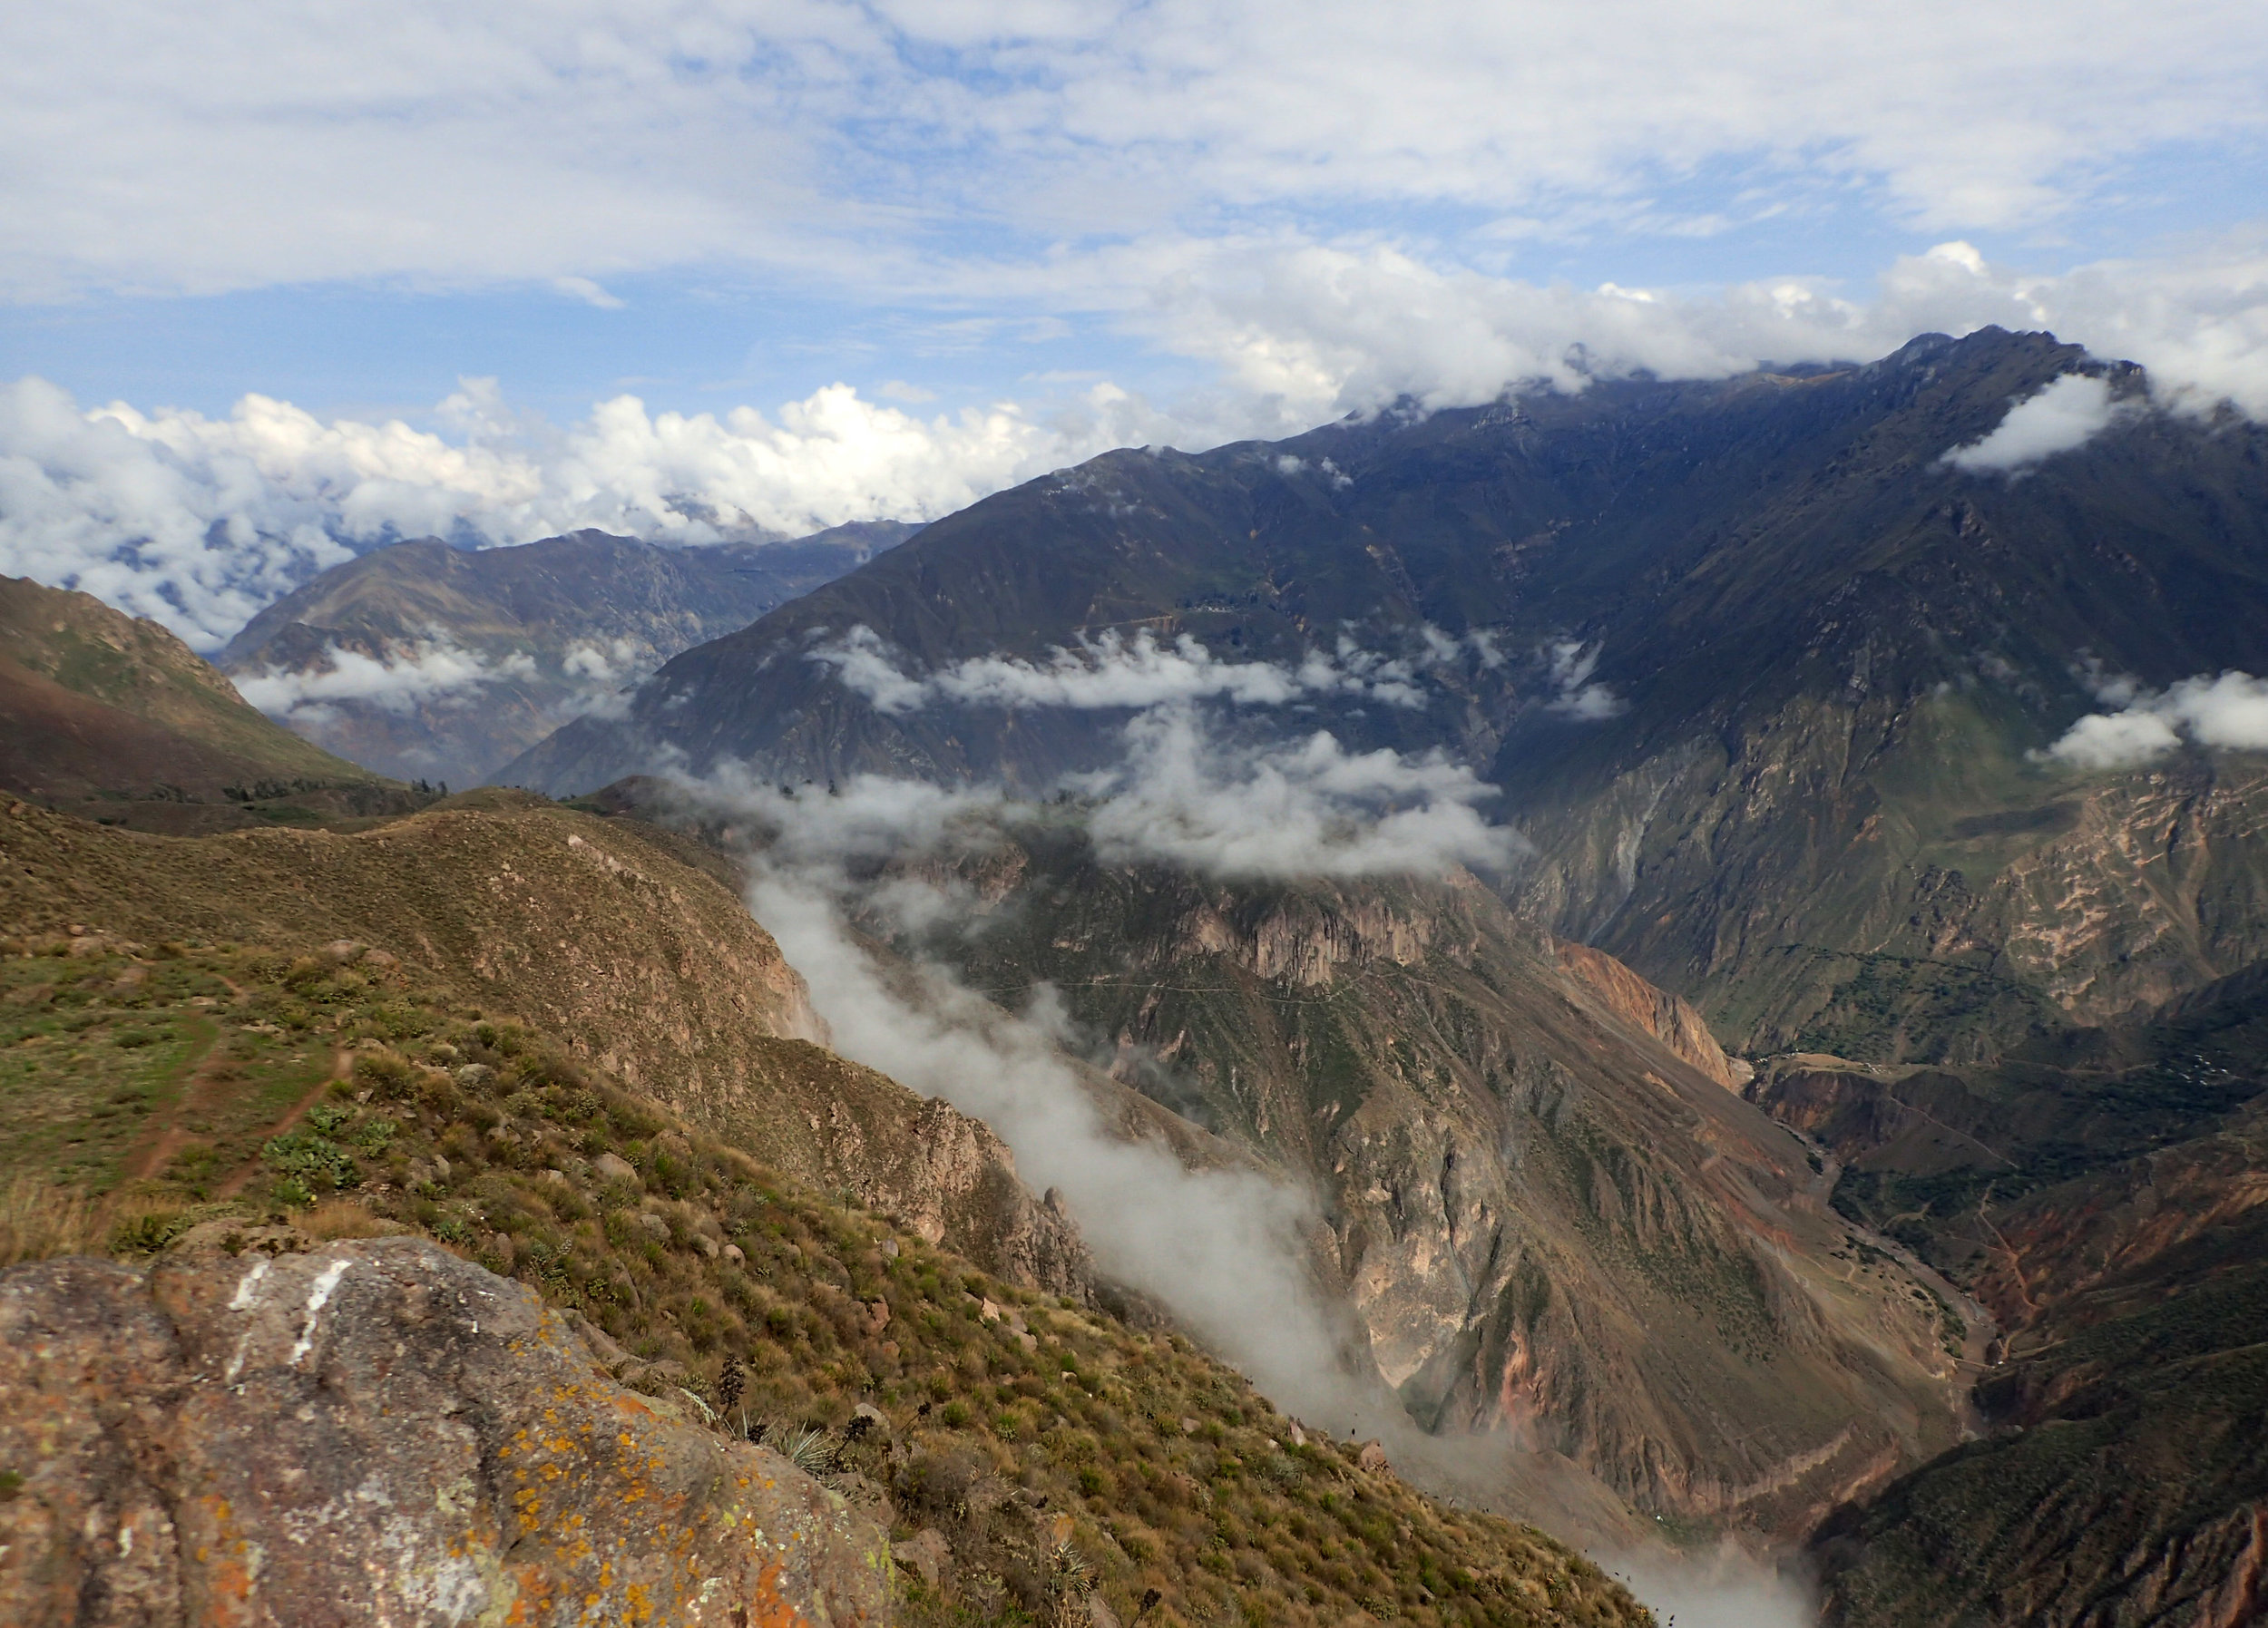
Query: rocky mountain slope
[(112, 715), (1760, 672), (492, 649), (1554, 1223), (2105, 1195), (241, 1108)]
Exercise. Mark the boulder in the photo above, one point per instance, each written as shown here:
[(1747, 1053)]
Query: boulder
[(926, 1552), (376, 1432), (614, 1167)]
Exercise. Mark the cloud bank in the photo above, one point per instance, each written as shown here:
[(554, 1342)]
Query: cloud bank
[(2067, 414), (1181, 794), (2230, 711), (1111, 671), (430, 673), (1306, 809), (200, 521)]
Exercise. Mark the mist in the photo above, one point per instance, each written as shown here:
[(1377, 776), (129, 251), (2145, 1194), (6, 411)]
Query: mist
[(1232, 1252)]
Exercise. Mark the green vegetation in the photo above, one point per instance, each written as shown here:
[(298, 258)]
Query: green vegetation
[(220, 1096)]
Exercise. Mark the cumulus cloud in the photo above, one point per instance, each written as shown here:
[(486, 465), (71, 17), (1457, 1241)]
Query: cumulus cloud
[(2229, 711), (1306, 330), (1569, 665), (2067, 413), (201, 522), (1306, 809), (429, 673), (1109, 671)]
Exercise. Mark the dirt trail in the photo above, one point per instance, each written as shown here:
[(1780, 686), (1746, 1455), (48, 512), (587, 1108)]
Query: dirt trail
[(163, 1140), (341, 1060)]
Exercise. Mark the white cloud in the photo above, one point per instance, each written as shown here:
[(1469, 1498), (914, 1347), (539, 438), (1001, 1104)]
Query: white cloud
[(1179, 794), (2065, 413), (2230, 711), (1306, 809), (201, 522), (587, 291), (1568, 663), (198, 521), (1307, 330), (434, 672), (1111, 671), (254, 143)]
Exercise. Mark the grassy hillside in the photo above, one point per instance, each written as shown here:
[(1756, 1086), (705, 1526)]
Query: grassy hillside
[(112, 715), (211, 1094), (610, 934)]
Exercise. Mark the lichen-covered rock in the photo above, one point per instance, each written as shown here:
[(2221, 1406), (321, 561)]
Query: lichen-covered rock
[(376, 1432)]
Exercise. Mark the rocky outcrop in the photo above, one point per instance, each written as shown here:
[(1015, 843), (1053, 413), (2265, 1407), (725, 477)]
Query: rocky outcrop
[(377, 1433), (1669, 1019)]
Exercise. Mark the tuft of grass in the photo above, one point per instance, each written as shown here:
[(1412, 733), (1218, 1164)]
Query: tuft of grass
[(39, 1222)]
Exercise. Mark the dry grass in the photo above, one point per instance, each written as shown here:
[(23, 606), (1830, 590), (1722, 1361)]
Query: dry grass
[(39, 1222), (343, 1218)]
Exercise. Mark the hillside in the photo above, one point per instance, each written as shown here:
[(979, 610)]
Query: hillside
[(1031, 1456), (114, 717), (493, 649), (1760, 673), (1552, 1227), (599, 930), (2105, 1194)]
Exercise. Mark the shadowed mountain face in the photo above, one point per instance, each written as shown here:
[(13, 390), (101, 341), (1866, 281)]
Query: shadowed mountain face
[(1758, 672), (438, 663), (114, 718)]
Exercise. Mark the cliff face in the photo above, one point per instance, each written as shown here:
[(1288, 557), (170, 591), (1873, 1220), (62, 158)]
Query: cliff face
[(1669, 1019), (376, 1432), (1549, 1223)]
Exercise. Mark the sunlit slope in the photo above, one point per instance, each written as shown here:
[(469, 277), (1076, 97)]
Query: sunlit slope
[(98, 705), (1549, 1224), (599, 930)]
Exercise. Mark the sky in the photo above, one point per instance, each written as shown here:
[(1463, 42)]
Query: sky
[(279, 282)]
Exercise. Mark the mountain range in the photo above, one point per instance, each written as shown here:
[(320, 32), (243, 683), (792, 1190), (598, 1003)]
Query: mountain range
[(1762, 677), (436, 663), (1718, 924)]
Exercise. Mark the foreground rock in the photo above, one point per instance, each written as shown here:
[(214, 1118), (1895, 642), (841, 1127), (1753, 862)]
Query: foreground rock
[(376, 1432)]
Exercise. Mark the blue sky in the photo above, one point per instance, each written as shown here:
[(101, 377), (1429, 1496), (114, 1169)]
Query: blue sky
[(1015, 233)]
